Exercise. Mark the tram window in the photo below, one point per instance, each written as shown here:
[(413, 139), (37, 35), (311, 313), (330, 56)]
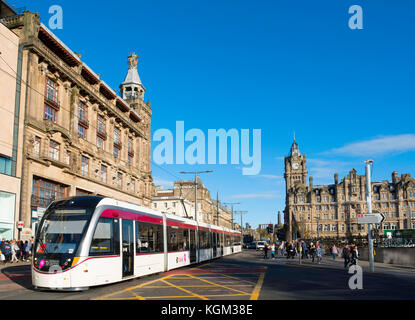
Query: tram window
[(106, 238), (149, 237), (172, 238), (204, 239)]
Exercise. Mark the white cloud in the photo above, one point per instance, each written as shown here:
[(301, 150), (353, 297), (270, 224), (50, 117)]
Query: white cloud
[(377, 146)]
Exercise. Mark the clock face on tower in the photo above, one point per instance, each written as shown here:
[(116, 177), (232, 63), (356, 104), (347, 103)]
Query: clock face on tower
[(296, 165)]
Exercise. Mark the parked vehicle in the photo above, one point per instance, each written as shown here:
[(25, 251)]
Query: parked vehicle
[(252, 245), (260, 245)]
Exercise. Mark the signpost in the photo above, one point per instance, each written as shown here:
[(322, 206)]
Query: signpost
[(369, 213), (370, 218)]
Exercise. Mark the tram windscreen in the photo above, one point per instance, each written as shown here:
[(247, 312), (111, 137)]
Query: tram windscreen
[(60, 233)]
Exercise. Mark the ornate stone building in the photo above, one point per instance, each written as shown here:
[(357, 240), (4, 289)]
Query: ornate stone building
[(322, 211), (80, 137)]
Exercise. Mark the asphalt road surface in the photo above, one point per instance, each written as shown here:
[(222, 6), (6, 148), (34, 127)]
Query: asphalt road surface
[(244, 276)]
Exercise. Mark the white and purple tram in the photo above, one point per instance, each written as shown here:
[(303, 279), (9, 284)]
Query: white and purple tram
[(88, 241)]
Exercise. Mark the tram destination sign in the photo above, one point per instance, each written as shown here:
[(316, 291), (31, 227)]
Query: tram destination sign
[(375, 217)]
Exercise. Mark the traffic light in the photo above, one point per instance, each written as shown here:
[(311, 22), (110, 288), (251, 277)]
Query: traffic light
[(270, 229)]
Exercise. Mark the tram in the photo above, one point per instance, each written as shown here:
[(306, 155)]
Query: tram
[(90, 240)]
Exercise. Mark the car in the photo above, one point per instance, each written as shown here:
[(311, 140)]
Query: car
[(252, 245), (260, 245)]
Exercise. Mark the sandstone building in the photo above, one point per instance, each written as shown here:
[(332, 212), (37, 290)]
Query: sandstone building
[(181, 201), (325, 211), (79, 137)]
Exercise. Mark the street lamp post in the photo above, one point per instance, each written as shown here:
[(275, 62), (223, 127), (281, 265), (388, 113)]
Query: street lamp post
[(369, 211), (232, 203), (197, 234)]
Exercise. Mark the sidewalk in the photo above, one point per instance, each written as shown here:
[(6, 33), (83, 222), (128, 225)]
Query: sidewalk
[(328, 262), (14, 264)]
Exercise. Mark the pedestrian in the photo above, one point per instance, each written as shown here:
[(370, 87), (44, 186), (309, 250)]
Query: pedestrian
[(353, 255), (304, 248), (346, 255), (7, 251), (26, 251), (319, 254), (14, 251), (273, 250), (312, 251), (266, 251), (282, 248), (334, 252)]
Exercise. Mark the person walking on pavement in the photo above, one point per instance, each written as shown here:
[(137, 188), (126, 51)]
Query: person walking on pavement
[(266, 251), (312, 251), (334, 252), (353, 255), (304, 248), (282, 248), (346, 255), (273, 250), (14, 250), (319, 254)]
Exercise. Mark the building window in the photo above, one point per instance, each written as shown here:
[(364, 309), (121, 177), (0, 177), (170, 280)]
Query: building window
[(130, 151), (68, 157), (117, 139), (5, 165), (326, 216), (51, 100), (101, 124), (54, 150), (333, 227), (36, 146), (51, 91), (82, 112), (116, 152), (84, 166), (117, 142), (81, 131), (103, 173), (119, 179), (100, 143), (50, 113), (45, 191), (132, 185), (155, 205)]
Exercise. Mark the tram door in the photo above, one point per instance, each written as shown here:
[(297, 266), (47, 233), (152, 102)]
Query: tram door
[(127, 248), (214, 241), (192, 245)]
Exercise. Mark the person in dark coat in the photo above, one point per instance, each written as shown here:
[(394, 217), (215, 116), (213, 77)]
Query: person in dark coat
[(266, 251), (346, 255)]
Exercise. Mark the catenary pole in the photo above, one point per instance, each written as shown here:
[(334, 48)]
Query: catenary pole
[(369, 211)]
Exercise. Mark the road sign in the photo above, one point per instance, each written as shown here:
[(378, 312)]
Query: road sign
[(375, 217)]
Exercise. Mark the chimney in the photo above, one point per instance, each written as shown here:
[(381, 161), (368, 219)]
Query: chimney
[(336, 178), (310, 180)]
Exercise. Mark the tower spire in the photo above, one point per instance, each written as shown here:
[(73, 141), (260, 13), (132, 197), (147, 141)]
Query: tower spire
[(132, 88)]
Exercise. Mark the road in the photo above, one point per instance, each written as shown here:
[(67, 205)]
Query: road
[(244, 276)]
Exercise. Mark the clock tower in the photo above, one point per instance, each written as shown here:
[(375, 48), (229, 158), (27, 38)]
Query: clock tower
[(295, 168)]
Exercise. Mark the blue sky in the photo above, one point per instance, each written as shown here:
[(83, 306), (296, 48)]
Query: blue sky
[(278, 66)]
